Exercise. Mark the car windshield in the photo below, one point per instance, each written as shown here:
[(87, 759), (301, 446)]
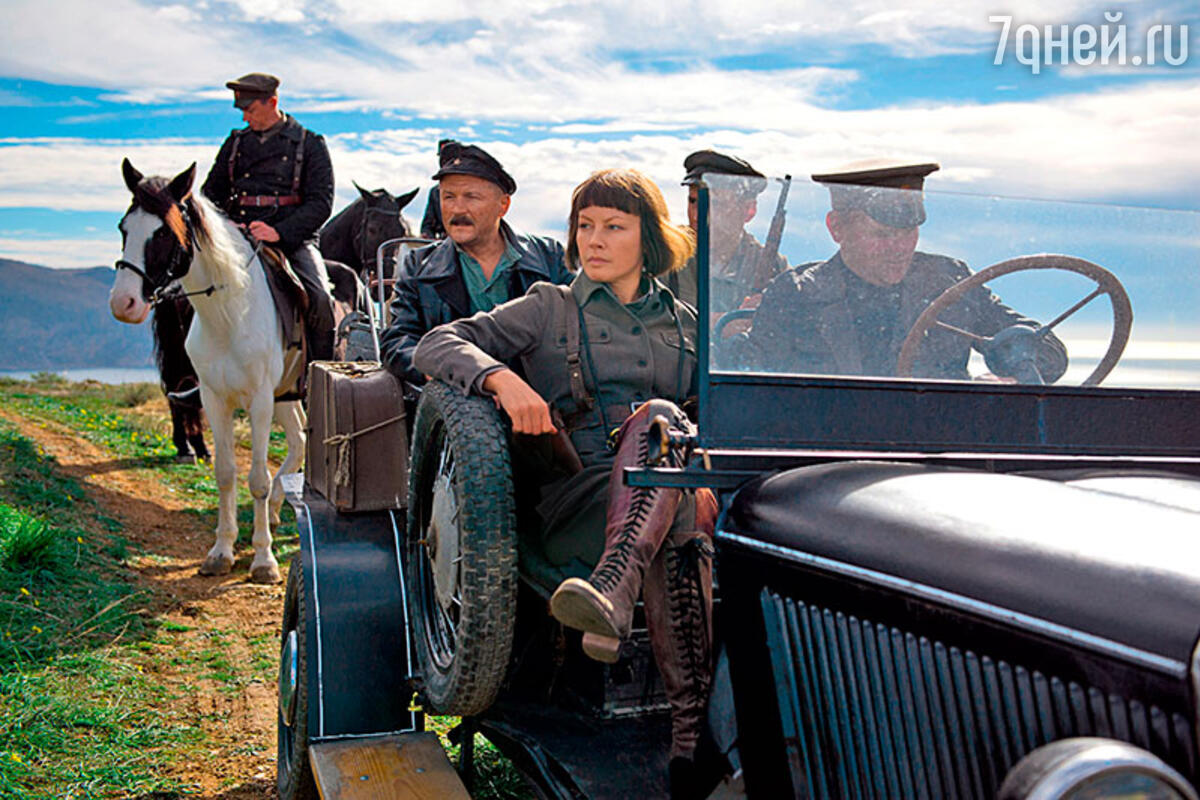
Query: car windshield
[(887, 283)]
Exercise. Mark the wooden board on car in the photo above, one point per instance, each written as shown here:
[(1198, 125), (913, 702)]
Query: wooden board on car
[(412, 766)]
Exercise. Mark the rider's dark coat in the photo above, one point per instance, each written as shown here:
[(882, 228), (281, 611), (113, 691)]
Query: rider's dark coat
[(430, 291), (267, 167)]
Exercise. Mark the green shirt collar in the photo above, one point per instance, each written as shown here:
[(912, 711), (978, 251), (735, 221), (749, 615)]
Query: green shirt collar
[(487, 294)]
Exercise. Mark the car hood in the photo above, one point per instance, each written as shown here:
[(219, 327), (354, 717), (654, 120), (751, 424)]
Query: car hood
[(1111, 554)]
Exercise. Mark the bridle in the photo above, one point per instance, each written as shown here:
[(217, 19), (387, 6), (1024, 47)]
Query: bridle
[(366, 254), (181, 260)]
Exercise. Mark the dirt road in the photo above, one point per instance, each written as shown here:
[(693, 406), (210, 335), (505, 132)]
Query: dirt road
[(227, 616)]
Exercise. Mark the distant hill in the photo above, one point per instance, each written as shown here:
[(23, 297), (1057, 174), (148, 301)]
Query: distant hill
[(53, 319)]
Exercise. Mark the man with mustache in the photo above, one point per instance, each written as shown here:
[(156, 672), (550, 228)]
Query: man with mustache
[(480, 264), (850, 314)]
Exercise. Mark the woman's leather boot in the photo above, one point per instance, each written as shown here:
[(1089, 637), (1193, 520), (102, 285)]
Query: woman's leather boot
[(638, 520)]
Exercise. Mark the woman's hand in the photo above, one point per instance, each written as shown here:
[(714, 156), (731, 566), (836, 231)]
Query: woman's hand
[(528, 411)]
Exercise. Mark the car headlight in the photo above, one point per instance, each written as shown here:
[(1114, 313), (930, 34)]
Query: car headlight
[(1091, 768)]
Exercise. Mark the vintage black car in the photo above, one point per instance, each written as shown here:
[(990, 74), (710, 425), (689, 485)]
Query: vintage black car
[(931, 586)]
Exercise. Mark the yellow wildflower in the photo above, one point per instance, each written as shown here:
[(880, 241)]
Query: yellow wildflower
[(15, 757), (24, 591), (36, 629)]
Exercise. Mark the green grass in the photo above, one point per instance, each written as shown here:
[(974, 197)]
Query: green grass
[(495, 776), (102, 415), (76, 711), (80, 726), (77, 673)]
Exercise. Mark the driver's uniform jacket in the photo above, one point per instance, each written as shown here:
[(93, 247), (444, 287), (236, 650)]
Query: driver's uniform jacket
[(267, 168), (823, 319), (430, 291)]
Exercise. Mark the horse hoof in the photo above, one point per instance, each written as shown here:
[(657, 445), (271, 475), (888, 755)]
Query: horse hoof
[(216, 565), (185, 458), (265, 574)]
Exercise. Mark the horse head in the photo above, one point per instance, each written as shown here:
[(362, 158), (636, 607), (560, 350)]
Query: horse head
[(381, 220), (157, 241)]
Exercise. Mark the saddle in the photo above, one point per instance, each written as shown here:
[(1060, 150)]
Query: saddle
[(291, 303)]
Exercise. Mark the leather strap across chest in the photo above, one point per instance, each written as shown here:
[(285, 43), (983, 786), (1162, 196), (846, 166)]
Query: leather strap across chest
[(297, 166)]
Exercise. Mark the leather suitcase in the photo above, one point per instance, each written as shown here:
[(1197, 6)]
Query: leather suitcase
[(357, 452)]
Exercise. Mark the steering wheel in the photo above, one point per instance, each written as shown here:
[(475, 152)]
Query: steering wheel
[(1106, 283)]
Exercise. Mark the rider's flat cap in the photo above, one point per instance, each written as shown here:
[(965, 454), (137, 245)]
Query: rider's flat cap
[(456, 158), (705, 161), (251, 87), (888, 190)]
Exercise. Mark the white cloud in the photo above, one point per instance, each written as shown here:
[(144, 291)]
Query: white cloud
[(514, 59)]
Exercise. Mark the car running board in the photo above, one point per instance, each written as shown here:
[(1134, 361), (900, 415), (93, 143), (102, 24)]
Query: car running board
[(407, 766)]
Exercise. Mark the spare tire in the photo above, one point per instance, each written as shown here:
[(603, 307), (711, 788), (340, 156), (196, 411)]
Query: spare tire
[(460, 550)]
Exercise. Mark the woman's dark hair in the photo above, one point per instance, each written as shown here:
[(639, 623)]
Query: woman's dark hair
[(665, 247)]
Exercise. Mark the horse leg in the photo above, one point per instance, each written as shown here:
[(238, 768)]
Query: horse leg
[(264, 568), (179, 431), (193, 426), (291, 417), (220, 558)]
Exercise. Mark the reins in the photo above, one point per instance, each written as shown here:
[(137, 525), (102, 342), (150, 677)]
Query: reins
[(173, 290)]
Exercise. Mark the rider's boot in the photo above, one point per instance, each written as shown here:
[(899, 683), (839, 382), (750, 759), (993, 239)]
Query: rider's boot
[(318, 320), (638, 520)]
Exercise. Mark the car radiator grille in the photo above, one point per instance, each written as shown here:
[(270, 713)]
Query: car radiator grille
[(874, 711)]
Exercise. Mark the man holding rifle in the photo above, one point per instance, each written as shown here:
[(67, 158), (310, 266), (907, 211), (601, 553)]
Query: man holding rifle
[(739, 268)]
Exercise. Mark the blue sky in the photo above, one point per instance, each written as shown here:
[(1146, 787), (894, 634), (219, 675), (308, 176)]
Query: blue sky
[(556, 90)]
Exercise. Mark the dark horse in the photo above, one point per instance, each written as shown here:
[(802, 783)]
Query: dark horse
[(354, 234), (177, 376)]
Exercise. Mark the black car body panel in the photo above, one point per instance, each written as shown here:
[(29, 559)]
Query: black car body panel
[(1082, 559)]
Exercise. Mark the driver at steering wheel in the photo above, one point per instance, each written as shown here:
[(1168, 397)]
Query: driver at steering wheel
[(849, 315)]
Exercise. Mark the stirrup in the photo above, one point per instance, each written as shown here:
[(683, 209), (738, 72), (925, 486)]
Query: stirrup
[(189, 398)]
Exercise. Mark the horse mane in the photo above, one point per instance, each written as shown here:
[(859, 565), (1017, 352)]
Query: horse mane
[(336, 239), (223, 252), (152, 195)]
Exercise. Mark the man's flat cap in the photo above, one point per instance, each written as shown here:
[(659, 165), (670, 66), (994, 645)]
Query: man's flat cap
[(255, 86), (456, 158), (702, 161), (259, 82), (888, 190)]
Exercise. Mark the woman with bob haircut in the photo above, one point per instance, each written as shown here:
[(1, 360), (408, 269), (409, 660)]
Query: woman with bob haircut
[(600, 359)]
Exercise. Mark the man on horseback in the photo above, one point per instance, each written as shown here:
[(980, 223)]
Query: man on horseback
[(481, 263), (274, 178)]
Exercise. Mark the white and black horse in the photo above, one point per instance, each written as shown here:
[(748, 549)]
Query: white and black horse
[(236, 342)]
